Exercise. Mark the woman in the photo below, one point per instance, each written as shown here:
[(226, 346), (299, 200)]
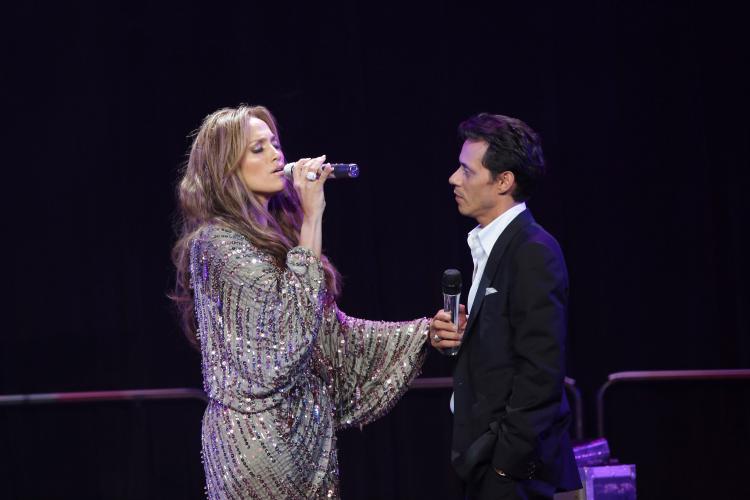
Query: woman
[(282, 366)]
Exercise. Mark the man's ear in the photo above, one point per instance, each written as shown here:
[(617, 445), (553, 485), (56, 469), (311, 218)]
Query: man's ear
[(505, 182)]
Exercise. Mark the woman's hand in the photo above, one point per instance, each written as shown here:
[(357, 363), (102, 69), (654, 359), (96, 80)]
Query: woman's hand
[(309, 175)]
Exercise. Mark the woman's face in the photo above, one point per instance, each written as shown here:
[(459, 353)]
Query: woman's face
[(262, 166)]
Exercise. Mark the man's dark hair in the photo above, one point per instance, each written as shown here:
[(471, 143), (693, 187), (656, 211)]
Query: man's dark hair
[(513, 146)]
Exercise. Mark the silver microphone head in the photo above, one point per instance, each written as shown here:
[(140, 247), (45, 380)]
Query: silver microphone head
[(288, 170)]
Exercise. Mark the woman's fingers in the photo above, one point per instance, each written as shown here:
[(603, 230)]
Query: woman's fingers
[(325, 172), (299, 171)]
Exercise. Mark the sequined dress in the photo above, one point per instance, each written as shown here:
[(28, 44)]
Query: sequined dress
[(284, 369)]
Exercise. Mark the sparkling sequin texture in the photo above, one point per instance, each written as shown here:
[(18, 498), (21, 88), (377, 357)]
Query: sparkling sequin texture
[(284, 369)]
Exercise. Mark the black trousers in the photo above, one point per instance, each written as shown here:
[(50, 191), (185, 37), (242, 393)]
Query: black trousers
[(493, 486)]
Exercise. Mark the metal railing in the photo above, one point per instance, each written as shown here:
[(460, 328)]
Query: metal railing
[(416, 384), (91, 396), (657, 376), (187, 393)]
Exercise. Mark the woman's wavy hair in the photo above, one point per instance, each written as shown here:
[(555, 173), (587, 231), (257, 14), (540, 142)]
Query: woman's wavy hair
[(211, 191)]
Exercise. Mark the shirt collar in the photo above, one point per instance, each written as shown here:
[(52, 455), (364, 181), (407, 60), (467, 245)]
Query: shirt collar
[(489, 234)]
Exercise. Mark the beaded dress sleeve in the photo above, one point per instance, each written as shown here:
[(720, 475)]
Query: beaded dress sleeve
[(370, 363), (257, 323)]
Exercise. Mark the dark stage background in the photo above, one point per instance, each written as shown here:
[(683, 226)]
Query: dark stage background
[(643, 108)]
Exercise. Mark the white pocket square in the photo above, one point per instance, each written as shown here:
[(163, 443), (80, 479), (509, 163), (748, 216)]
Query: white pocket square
[(489, 291)]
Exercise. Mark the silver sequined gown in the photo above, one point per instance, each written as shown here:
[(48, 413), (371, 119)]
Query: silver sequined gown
[(284, 369)]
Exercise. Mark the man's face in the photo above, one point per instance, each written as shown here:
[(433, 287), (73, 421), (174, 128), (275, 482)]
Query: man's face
[(476, 193)]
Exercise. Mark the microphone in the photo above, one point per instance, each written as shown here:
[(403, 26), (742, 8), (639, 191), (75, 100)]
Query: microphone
[(340, 170), (451, 295)]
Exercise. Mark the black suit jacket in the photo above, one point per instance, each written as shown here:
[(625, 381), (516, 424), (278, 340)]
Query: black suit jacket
[(510, 408)]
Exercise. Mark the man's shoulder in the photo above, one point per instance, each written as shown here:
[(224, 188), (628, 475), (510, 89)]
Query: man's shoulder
[(535, 242), (535, 234)]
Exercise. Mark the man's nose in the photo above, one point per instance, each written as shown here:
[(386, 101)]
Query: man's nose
[(453, 179)]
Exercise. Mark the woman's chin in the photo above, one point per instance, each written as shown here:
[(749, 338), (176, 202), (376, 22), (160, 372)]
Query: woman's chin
[(270, 191)]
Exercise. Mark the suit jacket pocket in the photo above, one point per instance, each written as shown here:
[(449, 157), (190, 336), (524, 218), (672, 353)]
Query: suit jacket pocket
[(470, 464), (494, 311)]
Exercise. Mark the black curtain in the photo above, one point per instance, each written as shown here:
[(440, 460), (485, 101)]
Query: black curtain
[(643, 109)]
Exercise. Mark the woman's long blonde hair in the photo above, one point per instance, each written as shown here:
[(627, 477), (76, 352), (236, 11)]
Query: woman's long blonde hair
[(212, 191)]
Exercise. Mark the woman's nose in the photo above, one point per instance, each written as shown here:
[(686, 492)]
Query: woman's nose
[(276, 153)]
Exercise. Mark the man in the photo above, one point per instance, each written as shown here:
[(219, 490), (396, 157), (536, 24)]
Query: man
[(511, 416)]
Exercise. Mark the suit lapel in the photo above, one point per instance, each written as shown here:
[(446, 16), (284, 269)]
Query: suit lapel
[(522, 220)]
